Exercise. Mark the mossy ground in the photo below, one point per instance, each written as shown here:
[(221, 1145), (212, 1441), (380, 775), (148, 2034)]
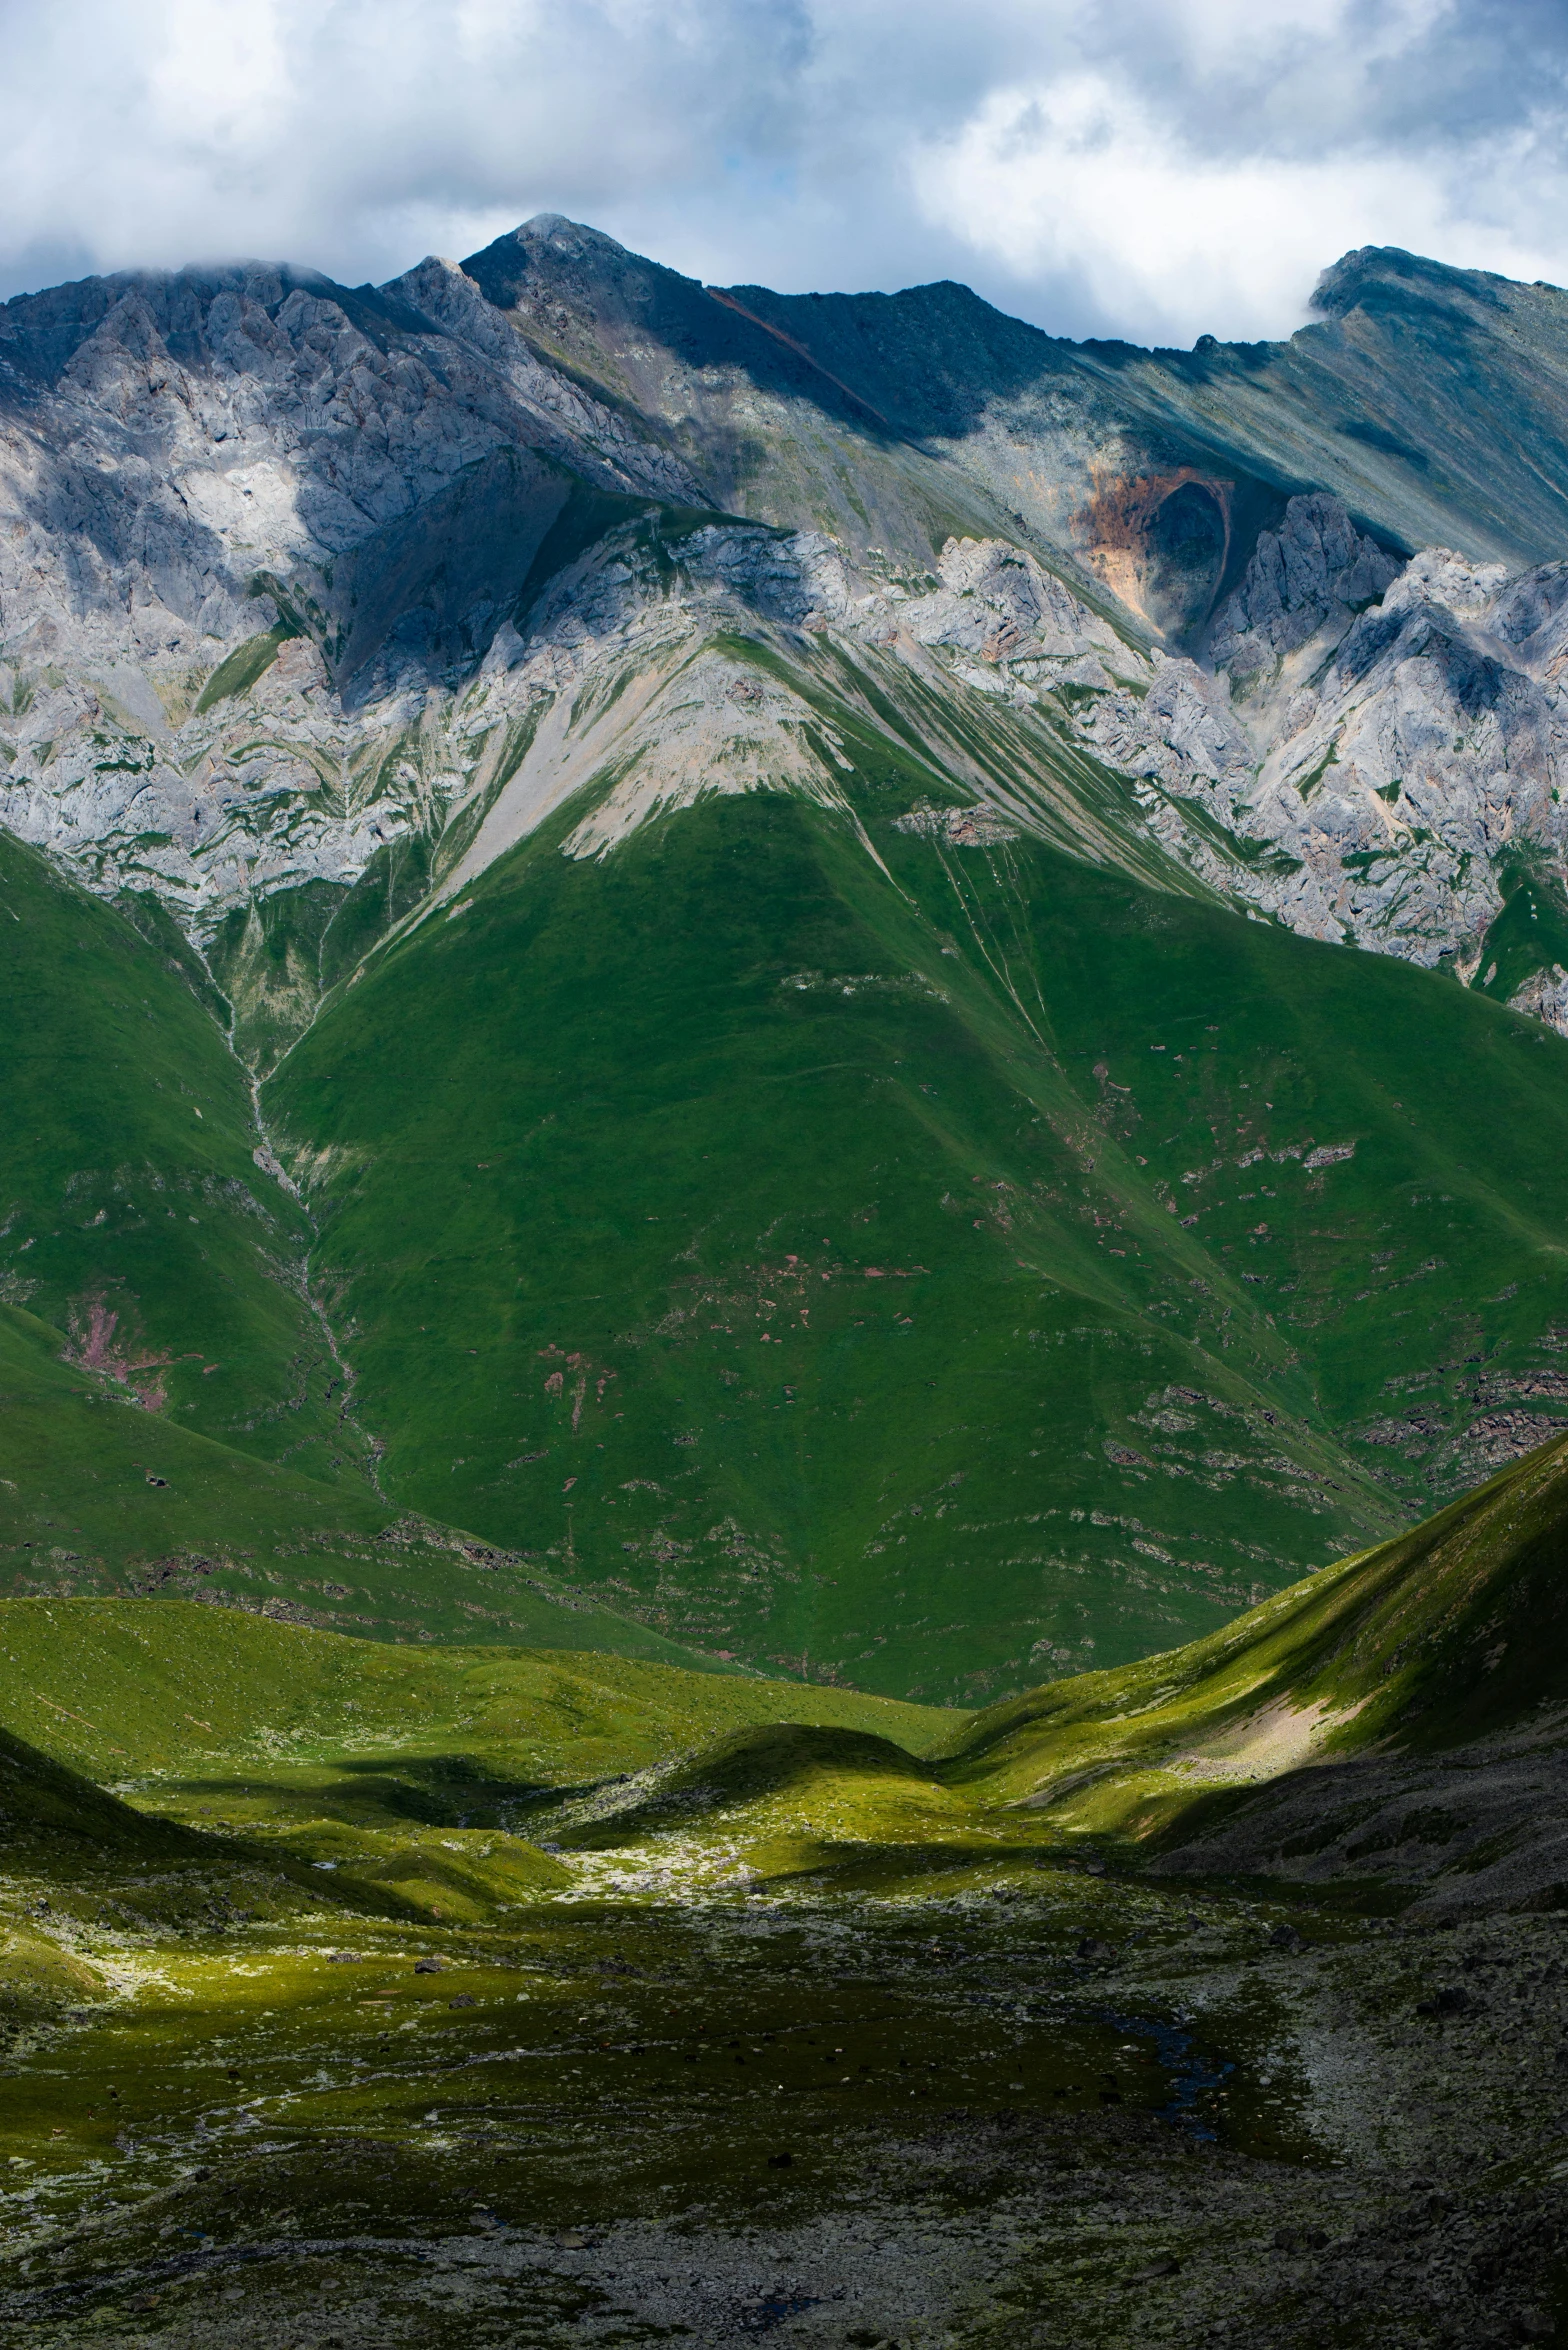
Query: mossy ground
[(225, 2086), (921, 2113), (297, 2127), (631, 2004)]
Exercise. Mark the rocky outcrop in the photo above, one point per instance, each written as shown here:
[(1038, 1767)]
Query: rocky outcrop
[(169, 445), (1304, 585), (216, 786), (1376, 751), (291, 574), (997, 604)]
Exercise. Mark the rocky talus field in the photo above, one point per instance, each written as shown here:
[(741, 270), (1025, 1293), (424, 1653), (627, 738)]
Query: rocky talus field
[(783, 1252)]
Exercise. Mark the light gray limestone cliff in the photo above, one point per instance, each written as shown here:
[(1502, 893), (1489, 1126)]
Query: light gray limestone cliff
[(268, 603)]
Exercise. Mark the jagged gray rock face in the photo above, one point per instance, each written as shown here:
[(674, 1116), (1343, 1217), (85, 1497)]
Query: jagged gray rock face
[(118, 767), (1373, 753), (289, 570), (166, 441), (998, 605), (174, 449), (1307, 578), (1430, 745)]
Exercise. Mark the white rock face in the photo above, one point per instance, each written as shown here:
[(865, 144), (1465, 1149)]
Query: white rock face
[(619, 683), (169, 438), (268, 604), (1377, 745), (1305, 583), (1544, 996), (172, 450), (717, 727), (997, 604), (279, 784)]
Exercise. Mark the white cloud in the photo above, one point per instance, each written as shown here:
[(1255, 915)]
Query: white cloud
[(1155, 168), (1079, 183), (353, 134)]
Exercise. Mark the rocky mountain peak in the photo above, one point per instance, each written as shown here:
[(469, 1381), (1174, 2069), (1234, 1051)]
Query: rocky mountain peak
[(1310, 573), (1386, 276), (499, 471)]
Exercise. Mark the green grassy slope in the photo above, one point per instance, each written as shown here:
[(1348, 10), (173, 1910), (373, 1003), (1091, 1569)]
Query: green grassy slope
[(1446, 1635), (171, 1416), (927, 1266), (60, 1813), (1449, 1633), (1531, 930), (385, 1760), (802, 1240), (119, 1689), (100, 1496), (133, 1216), (404, 1774)]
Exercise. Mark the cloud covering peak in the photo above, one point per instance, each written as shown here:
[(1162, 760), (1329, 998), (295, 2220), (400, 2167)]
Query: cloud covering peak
[(1148, 168)]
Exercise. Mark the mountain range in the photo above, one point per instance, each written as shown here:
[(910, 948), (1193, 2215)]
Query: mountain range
[(701, 935), (783, 1315)]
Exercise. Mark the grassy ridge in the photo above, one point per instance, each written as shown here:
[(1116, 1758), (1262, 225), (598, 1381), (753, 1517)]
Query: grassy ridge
[(403, 1774), (1446, 1634), (118, 1689)]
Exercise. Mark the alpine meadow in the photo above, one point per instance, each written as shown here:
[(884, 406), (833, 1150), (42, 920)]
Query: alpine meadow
[(783, 1251)]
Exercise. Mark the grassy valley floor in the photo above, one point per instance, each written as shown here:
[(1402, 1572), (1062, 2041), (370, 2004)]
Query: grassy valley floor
[(976, 2099), (358, 1994)]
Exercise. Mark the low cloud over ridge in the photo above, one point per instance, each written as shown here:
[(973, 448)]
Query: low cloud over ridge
[(1149, 168)]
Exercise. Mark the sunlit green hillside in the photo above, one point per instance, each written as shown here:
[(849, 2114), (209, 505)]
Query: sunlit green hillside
[(425, 1769), (1447, 1634), (810, 1233)]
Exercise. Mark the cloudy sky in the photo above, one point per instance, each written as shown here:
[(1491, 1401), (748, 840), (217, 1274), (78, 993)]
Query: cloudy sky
[(1150, 168)]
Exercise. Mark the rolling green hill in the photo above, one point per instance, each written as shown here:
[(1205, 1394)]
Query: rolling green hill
[(430, 1777), (398, 1981), (416, 1770), (125, 1691), (1392, 1726), (1442, 1636), (323, 1747)]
